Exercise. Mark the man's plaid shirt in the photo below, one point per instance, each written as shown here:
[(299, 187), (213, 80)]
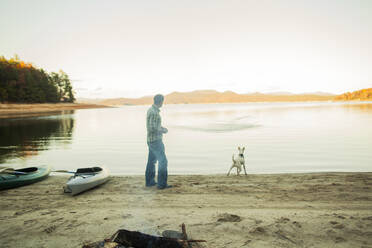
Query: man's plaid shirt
[(153, 124)]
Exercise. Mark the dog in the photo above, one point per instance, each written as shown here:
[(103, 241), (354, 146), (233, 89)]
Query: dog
[(238, 162)]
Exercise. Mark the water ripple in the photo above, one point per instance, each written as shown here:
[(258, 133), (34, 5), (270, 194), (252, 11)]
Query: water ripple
[(218, 127)]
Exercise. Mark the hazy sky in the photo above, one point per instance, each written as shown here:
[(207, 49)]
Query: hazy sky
[(134, 48)]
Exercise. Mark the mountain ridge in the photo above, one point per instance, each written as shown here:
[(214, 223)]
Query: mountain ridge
[(213, 96)]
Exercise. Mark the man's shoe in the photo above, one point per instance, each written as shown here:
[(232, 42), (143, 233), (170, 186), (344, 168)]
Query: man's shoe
[(151, 184), (165, 187)]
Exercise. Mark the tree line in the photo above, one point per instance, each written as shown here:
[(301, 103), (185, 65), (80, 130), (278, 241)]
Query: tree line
[(21, 82), (364, 94)]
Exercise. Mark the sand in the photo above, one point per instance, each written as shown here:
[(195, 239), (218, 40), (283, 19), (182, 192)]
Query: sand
[(283, 210), (27, 110)]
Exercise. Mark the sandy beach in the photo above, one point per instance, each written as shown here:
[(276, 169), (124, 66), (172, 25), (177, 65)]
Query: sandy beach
[(27, 110), (279, 210)]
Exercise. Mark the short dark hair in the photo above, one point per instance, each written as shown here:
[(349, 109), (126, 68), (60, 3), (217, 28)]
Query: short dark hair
[(158, 99)]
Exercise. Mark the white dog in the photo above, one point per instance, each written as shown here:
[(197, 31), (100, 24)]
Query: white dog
[(238, 162)]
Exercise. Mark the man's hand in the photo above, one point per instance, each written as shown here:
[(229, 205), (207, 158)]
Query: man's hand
[(164, 130)]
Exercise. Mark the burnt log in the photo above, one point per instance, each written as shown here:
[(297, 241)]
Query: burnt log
[(142, 240), (133, 239)]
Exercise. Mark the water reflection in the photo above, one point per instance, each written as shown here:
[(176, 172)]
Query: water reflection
[(279, 137), (363, 107), (24, 137)]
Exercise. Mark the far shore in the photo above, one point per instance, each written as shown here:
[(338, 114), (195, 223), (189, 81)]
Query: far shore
[(268, 210), (37, 109)]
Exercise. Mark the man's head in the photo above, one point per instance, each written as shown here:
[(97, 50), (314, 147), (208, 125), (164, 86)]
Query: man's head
[(158, 100)]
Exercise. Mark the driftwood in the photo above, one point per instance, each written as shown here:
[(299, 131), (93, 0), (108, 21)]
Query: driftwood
[(135, 239)]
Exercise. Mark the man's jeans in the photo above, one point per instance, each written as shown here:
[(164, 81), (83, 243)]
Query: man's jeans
[(156, 153)]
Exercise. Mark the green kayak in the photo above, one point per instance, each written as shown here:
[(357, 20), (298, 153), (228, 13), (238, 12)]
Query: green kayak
[(10, 178)]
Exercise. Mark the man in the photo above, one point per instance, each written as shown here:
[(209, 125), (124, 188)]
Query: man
[(156, 147)]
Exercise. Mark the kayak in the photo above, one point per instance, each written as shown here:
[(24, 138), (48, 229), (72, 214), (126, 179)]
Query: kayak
[(12, 178), (85, 179)]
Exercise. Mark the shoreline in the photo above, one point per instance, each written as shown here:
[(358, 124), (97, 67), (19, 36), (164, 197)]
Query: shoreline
[(258, 210), (15, 110), (242, 173)]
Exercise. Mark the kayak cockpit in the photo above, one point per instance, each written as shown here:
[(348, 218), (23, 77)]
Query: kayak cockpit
[(27, 170), (88, 170)]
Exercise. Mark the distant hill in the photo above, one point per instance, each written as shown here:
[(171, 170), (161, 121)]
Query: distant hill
[(212, 96), (361, 95), (89, 100)]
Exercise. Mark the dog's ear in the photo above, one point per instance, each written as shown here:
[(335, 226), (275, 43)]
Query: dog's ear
[(239, 148), (243, 149)]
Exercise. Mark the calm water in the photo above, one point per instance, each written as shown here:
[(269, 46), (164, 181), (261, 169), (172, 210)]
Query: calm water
[(279, 137)]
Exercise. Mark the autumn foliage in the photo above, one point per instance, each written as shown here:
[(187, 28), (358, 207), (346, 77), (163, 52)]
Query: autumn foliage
[(362, 95), (21, 82)]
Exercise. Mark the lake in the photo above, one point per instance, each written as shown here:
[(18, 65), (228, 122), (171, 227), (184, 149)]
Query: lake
[(279, 138)]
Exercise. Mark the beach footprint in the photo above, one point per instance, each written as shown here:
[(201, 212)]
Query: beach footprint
[(226, 217)]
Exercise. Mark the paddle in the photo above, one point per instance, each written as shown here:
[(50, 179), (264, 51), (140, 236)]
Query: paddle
[(17, 172), (8, 170), (65, 171), (4, 168)]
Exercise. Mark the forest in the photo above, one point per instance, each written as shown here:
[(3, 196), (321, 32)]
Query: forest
[(21, 82), (362, 95)]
